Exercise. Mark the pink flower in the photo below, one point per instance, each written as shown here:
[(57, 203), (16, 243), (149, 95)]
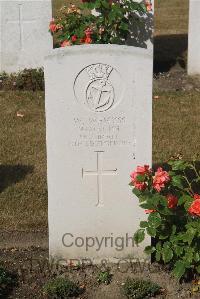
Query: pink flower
[(160, 179), (66, 43), (172, 201), (140, 170), (88, 32), (53, 26), (149, 211), (143, 169)]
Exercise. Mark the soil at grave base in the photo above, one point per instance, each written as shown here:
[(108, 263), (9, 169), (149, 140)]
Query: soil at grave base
[(175, 80), (33, 271)]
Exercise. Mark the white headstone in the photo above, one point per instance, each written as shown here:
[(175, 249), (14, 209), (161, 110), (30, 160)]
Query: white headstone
[(99, 128), (24, 36), (194, 38)]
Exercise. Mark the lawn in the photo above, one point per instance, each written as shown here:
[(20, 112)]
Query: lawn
[(23, 197)]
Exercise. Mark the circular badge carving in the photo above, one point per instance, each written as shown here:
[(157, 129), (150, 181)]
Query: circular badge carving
[(97, 87)]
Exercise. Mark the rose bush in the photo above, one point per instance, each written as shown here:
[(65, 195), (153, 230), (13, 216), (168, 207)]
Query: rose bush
[(110, 24), (171, 198)]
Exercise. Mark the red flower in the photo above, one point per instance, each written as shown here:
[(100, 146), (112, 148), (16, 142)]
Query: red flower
[(52, 26), (74, 38), (194, 209), (88, 40), (196, 196), (160, 179), (140, 170), (172, 201), (66, 43)]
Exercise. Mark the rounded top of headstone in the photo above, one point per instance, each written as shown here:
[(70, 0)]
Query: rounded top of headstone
[(95, 49)]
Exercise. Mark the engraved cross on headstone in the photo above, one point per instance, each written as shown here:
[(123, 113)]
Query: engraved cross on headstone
[(99, 173), (21, 22)]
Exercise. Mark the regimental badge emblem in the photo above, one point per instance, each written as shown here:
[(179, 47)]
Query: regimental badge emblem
[(97, 86)]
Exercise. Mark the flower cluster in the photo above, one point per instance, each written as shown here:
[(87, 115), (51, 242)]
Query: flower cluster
[(110, 24), (143, 171), (171, 198), (143, 177), (194, 208)]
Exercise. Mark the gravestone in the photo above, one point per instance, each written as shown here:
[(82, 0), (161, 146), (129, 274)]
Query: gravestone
[(194, 38), (24, 36), (99, 128)]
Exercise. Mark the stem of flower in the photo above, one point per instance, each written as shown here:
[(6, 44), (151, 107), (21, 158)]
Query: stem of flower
[(189, 184)]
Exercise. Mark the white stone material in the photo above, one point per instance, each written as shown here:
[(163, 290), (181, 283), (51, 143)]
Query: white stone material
[(99, 128), (194, 38), (24, 36)]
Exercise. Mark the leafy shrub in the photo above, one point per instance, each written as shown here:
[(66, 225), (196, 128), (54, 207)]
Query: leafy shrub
[(140, 289), (111, 23), (61, 288), (104, 277), (28, 79), (6, 282), (172, 200)]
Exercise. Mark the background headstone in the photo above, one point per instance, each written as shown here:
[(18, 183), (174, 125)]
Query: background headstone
[(194, 38), (99, 128), (24, 38), (141, 33)]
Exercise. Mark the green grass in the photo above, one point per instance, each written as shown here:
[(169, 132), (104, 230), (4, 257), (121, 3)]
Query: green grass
[(176, 125), (23, 187), (23, 196)]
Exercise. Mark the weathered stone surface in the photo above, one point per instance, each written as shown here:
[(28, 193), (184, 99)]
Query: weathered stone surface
[(98, 112)]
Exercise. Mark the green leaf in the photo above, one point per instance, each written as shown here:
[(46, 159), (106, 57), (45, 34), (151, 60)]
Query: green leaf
[(140, 178), (196, 257), (136, 192), (149, 250), (158, 246), (188, 203), (147, 205), (158, 256), (177, 181), (198, 269), (179, 269), (151, 231), (178, 250), (154, 219), (167, 254), (143, 224), (139, 236), (179, 165), (183, 199)]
